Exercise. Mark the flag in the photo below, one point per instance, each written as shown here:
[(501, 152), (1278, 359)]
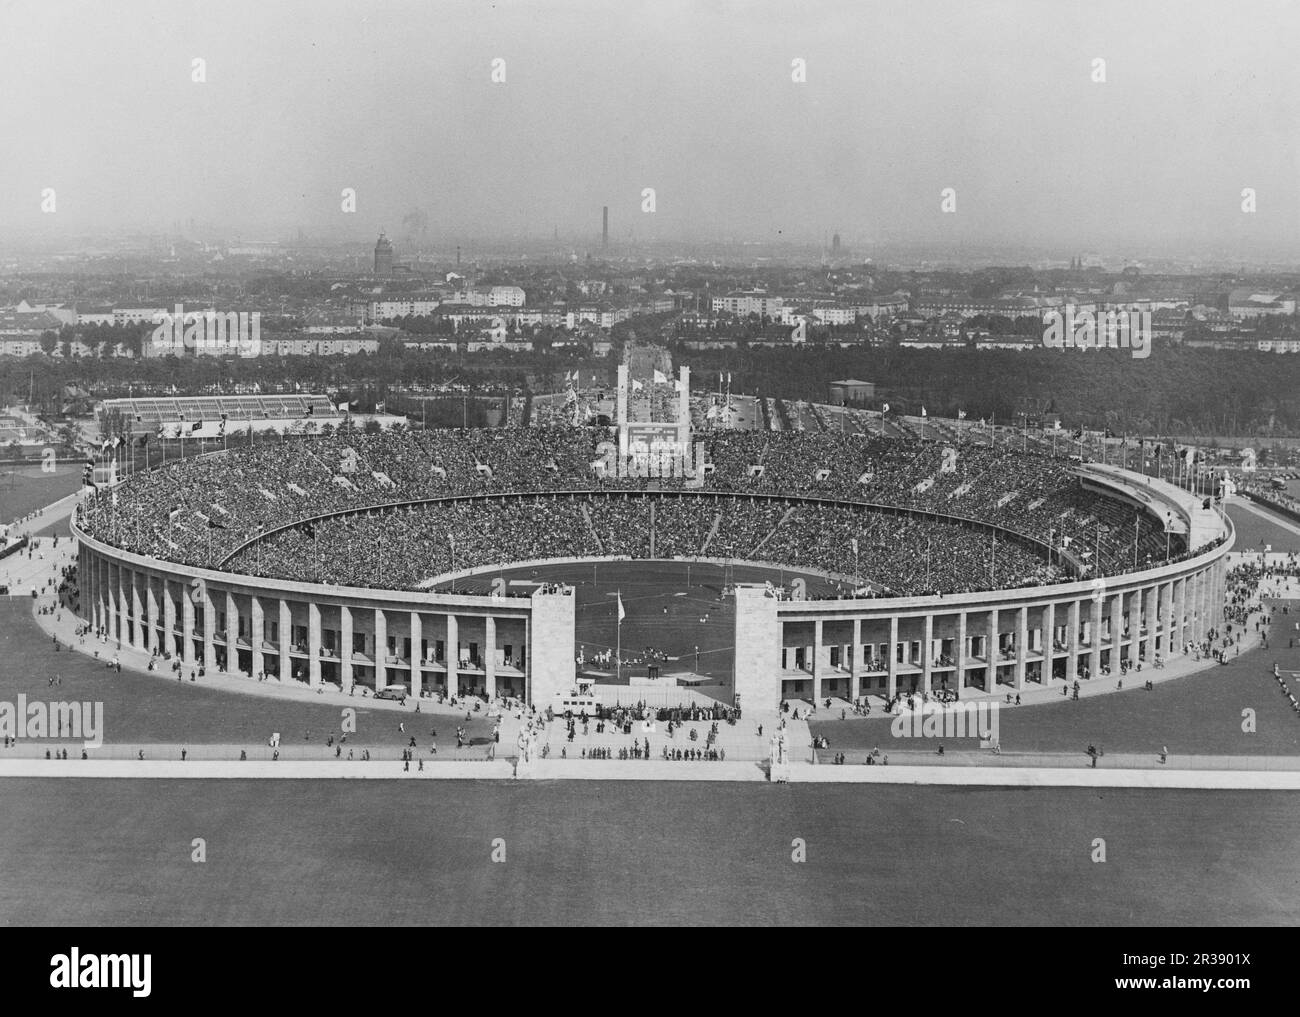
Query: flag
[(483, 468), (636, 385), (923, 413), (379, 406), (104, 447), (117, 440), (195, 426), (961, 414), (854, 542), (621, 613), (660, 378), (728, 379), (885, 408)]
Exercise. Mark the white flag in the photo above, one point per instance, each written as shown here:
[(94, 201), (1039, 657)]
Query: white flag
[(923, 413), (885, 408), (621, 613), (660, 378)]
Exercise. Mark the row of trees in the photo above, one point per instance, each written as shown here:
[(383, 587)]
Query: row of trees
[(1176, 390)]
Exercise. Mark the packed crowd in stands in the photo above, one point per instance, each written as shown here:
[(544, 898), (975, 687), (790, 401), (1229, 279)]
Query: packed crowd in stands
[(202, 510)]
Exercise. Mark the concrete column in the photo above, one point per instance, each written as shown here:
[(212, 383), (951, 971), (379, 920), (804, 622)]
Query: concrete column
[(257, 634), (1153, 621), (169, 616), (1048, 636), (381, 649), (855, 662), (1134, 625), (111, 591), (139, 639), (1116, 630), (959, 654), (453, 658), (991, 652), (927, 654), (286, 642), (209, 630), (345, 649), (232, 634), (417, 633), (1022, 646), (187, 624), (1094, 636), (1180, 615), (313, 643), (1203, 596), (1167, 621), (151, 611), (490, 656), (892, 662), (1072, 642), (817, 670)]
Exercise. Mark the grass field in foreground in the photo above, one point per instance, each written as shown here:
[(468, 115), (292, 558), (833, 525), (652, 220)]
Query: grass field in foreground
[(394, 853)]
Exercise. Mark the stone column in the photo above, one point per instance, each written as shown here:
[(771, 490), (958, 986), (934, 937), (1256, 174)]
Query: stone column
[(139, 638), (381, 649), (209, 630), (1072, 642), (453, 657), (1134, 625), (345, 648), (927, 654), (187, 625), (1094, 640), (817, 669), (1116, 629), (1022, 646), (892, 662), (313, 643), (232, 634), (855, 663), (417, 633), (960, 652), (1048, 637), (490, 657), (286, 642), (111, 590), (991, 651), (1167, 622), (1153, 621), (257, 634), (169, 616), (151, 610)]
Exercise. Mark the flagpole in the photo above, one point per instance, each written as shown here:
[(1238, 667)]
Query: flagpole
[(618, 637)]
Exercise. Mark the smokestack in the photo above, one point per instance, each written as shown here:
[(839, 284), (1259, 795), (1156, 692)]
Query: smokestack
[(604, 233)]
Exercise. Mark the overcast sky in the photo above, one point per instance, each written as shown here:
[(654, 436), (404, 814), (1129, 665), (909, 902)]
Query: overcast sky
[(694, 99)]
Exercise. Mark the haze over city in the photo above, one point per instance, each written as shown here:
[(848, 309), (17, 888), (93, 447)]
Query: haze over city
[(997, 101)]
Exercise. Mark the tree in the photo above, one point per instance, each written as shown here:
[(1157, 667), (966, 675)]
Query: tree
[(49, 340)]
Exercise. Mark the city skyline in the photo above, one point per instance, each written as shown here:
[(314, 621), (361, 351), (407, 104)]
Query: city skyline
[(399, 103)]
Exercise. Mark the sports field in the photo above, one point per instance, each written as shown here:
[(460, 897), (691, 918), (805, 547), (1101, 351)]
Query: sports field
[(639, 853), (673, 607)]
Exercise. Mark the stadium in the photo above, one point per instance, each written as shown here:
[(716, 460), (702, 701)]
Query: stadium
[(744, 566)]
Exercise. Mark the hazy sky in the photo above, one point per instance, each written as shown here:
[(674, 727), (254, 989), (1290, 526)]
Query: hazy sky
[(694, 99)]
